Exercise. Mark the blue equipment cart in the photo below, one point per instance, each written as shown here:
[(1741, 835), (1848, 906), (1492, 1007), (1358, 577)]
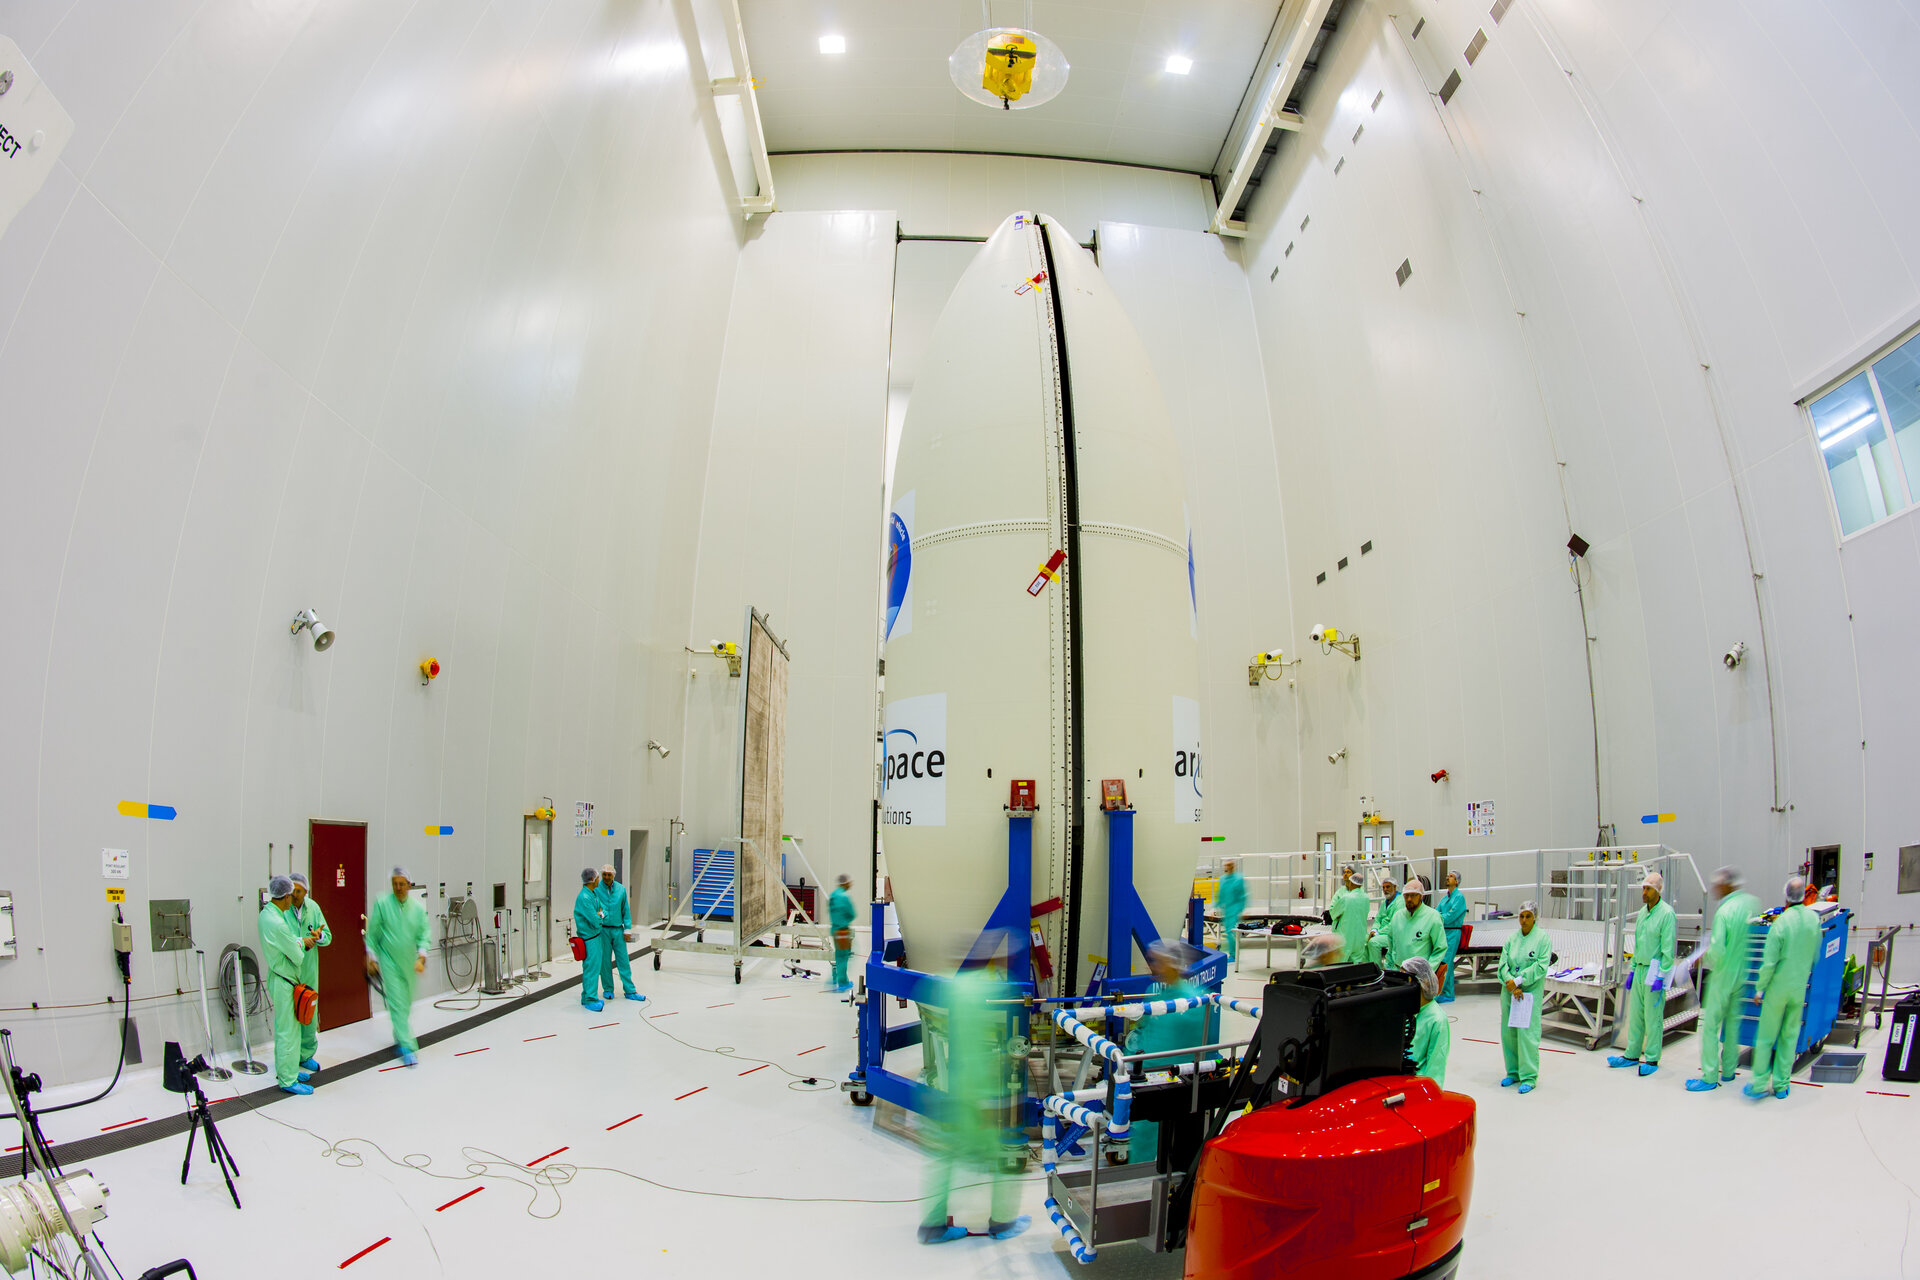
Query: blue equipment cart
[(1823, 986)]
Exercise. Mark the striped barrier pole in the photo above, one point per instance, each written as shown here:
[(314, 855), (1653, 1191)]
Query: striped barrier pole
[(1078, 1247)]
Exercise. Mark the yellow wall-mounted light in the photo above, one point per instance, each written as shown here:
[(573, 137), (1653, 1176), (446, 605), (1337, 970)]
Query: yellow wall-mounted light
[(1331, 638), (1268, 665)]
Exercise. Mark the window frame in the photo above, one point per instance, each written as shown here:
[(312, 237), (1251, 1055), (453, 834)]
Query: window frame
[(1846, 375)]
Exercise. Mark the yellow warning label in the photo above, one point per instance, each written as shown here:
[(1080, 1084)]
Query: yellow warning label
[(116, 895), (1431, 1186)]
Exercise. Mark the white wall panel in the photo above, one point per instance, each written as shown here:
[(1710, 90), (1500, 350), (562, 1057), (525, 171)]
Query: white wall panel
[(792, 526), (1689, 206), (411, 314)]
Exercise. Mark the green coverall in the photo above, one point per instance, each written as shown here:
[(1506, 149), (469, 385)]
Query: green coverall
[(397, 934), (304, 921), (1523, 960), (977, 1107), (619, 918), (589, 921), (1231, 897), (1349, 911), (1647, 1008), (1432, 1037), (1793, 944), (840, 918), (1416, 933), (1380, 944), (281, 949), (1453, 914), (1183, 1030), (1720, 1007)]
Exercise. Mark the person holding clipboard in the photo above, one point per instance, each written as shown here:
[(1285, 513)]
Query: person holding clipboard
[(1523, 981)]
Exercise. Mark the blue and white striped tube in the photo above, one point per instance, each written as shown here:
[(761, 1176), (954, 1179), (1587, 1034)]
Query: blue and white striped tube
[(1079, 1108), (1241, 1006), (1079, 1248), (1146, 1008), (1116, 1058)]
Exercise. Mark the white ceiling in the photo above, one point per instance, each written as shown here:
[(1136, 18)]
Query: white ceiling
[(890, 89)]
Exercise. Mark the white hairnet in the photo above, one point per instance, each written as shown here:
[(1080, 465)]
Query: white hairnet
[(401, 872), (1414, 884), (1655, 881), (1322, 948), (588, 875), (1422, 968), (1530, 905), (1796, 890), (1728, 876), (844, 880), (299, 877), (607, 869), (279, 887)]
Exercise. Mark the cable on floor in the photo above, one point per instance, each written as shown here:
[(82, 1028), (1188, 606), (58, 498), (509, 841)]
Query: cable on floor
[(800, 1082)]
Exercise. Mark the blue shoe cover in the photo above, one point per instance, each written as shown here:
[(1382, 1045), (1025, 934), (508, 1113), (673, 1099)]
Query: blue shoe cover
[(305, 1077), (1756, 1091), (409, 1059), (296, 1088), (1648, 1068), (1618, 1060), (311, 1064), (1526, 1088), (1781, 1093), (1008, 1230), (940, 1235), (1700, 1086), (1507, 1082), (635, 995), (592, 1006)]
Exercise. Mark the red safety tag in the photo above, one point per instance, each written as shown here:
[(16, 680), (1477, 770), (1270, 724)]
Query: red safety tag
[(1028, 284), (1049, 572)]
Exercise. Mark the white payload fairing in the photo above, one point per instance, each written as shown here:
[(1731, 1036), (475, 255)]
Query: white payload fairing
[(1036, 428)]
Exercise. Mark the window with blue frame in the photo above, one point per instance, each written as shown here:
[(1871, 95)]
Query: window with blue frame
[(1868, 432)]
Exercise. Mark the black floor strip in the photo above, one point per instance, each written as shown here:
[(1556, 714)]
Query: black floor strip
[(84, 1149)]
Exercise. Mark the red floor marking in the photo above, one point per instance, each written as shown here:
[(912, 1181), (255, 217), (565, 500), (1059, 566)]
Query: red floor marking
[(785, 997), (1807, 1084), (804, 1052), (395, 1067), (1480, 1041), (1875, 1092), (750, 1070), (663, 1015), (683, 1097), (550, 1155), (17, 1148), (364, 1252), (530, 1039), (457, 1199), (603, 1026), (123, 1124), (722, 1005), (463, 1053), (629, 1120), (1544, 1049)]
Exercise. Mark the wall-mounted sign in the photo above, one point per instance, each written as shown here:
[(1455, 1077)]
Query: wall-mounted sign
[(115, 864), (33, 130), (1480, 818)]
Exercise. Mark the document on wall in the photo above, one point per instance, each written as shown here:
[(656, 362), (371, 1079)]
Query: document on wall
[(1520, 1012)]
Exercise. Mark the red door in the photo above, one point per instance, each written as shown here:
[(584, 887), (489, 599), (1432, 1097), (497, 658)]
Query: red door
[(339, 874)]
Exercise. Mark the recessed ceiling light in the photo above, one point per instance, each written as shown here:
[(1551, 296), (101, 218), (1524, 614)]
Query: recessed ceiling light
[(833, 44), (1177, 65)]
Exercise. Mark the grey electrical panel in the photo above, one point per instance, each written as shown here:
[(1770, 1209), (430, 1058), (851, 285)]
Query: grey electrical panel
[(170, 923), (1910, 868)]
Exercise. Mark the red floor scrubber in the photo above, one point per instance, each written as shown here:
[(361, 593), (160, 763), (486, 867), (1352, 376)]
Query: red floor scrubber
[(1317, 1156)]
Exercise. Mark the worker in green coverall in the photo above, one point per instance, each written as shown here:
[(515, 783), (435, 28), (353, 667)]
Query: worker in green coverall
[(1231, 897), (284, 950), (1720, 1005), (617, 932), (1793, 944), (589, 925), (1416, 930), (840, 917), (1524, 958), (1452, 907), (1170, 960), (977, 1107), (1647, 980), (309, 921), (397, 934), (1432, 1033), (1380, 941), (1347, 913)]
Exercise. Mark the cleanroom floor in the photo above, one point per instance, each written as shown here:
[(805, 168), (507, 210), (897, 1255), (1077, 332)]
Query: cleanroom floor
[(685, 1160)]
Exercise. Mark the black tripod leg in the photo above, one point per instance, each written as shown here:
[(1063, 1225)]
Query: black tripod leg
[(193, 1124)]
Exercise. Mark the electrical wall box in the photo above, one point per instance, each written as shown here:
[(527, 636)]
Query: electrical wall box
[(500, 895), (7, 947), (122, 938)]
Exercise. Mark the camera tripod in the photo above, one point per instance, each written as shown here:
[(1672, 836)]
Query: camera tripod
[(200, 1120)]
